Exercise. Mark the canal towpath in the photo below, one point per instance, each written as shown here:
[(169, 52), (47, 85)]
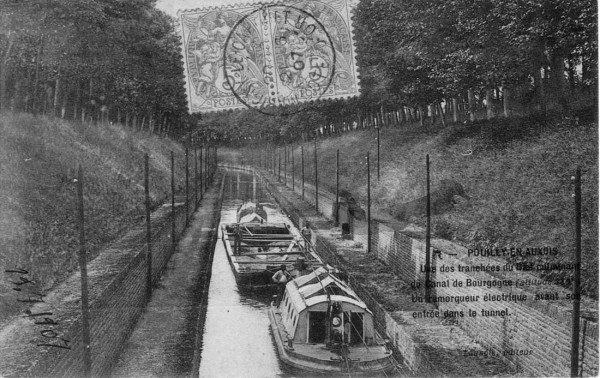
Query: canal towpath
[(165, 342)]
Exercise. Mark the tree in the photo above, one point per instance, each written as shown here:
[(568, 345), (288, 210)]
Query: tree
[(93, 59)]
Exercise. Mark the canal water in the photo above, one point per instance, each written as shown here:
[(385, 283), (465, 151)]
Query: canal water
[(236, 339)]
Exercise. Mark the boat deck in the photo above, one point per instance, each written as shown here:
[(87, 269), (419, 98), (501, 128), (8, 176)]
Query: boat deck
[(261, 255), (356, 353), (318, 358)]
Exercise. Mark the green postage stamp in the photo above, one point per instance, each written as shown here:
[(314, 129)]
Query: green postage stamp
[(266, 55)]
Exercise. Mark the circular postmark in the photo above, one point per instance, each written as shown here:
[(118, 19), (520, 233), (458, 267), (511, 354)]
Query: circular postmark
[(292, 63)]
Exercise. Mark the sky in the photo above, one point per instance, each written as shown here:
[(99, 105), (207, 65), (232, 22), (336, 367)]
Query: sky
[(171, 6)]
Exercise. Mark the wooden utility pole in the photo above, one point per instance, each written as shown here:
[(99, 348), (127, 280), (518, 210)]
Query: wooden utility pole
[(173, 199), (201, 176), (576, 280), (368, 202), (196, 173), (428, 239), (85, 310), (206, 166), (302, 158), (316, 180), (337, 186), (187, 195), (148, 228), (285, 153), (378, 154)]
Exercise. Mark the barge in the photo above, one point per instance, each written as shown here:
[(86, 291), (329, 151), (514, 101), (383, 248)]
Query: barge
[(256, 248), (321, 326)]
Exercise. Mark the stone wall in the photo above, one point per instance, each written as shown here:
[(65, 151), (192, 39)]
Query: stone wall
[(117, 281), (114, 311), (540, 328)]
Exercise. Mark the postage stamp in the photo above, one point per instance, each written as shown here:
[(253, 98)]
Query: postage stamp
[(263, 56)]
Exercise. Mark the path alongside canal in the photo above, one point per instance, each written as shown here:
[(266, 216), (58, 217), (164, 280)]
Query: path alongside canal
[(164, 341)]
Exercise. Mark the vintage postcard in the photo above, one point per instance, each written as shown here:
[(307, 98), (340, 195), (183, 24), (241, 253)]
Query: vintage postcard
[(299, 188)]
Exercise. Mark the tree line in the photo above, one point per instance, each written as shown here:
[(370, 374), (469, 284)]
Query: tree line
[(98, 60), (420, 61), (428, 62)]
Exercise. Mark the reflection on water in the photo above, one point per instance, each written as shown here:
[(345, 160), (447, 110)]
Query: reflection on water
[(237, 340)]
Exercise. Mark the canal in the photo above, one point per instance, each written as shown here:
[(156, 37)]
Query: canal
[(235, 336), (236, 339)]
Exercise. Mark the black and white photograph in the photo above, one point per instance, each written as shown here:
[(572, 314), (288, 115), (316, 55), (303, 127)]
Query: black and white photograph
[(299, 188)]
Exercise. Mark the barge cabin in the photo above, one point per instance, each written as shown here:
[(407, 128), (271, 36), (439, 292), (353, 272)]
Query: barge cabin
[(322, 326)]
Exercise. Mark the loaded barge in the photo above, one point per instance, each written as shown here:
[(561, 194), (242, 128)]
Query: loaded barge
[(256, 248)]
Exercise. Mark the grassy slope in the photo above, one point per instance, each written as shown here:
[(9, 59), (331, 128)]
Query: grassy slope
[(38, 165), (518, 179)]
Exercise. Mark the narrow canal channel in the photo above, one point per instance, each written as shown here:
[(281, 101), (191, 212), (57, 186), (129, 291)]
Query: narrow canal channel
[(236, 339)]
